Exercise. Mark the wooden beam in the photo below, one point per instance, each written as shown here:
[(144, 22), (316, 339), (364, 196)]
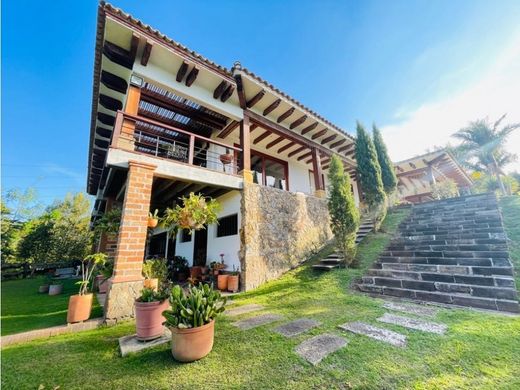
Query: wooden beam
[(182, 71), (272, 106), (240, 91), (227, 93), (285, 147), (245, 144), (285, 115), (134, 44), (146, 53), (316, 169), (328, 139), (255, 99), (338, 143), (276, 141), (309, 128), (192, 76), (228, 129), (299, 150), (298, 122), (262, 136), (303, 156), (347, 147), (253, 127), (220, 89), (319, 134)]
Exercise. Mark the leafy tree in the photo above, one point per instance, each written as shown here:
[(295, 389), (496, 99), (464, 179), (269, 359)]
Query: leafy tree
[(344, 215), (483, 143), (11, 232), (445, 189), (36, 244), (387, 168), (23, 205)]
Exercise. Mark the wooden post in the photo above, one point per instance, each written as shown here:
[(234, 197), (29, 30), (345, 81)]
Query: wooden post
[(318, 176), (126, 136), (245, 145), (191, 152)]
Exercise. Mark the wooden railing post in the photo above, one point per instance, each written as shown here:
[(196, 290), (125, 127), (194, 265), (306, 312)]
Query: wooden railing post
[(191, 153)]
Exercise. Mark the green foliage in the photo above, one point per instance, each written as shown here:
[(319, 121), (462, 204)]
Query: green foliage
[(195, 213), (484, 182), (150, 295), (368, 168), (344, 215), (88, 265), (445, 189), (197, 308), (108, 223), (10, 234), (155, 268), (36, 245), (387, 167)]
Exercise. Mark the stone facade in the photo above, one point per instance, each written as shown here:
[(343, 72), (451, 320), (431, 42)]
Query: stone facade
[(120, 303), (280, 230)]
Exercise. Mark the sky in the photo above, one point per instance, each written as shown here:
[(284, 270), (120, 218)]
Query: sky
[(420, 70)]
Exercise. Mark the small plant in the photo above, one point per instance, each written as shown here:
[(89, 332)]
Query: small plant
[(88, 265), (155, 269), (150, 295), (196, 212), (199, 307), (107, 269), (108, 223), (154, 215)]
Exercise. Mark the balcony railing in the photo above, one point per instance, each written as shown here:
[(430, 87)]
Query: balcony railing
[(164, 141)]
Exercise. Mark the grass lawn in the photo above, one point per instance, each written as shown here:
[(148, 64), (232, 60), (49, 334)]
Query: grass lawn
[(24, 309), (510, 206), (480, 350)]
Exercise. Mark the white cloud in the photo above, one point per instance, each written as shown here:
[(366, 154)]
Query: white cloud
[(432, 123)]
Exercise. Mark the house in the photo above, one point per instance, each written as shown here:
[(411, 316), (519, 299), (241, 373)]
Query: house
[(418, 176), (167, 121)]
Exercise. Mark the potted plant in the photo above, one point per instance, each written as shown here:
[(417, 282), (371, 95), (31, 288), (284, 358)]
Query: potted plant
[(196, 212), (148, 314), (226, 158), (155, 271), (153, 219), (192, 321), (81, 304), (222, 282), (108, 223), (44, 288), (55, 288), (233, 279)]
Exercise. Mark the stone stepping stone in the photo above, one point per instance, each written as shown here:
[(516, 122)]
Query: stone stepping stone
[(297, 327), (381, 334), (411, 309), (413, 323), (236, 311), (253, 322), (315, 349), (130, 344)]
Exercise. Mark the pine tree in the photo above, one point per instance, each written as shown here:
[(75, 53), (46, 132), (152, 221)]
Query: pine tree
[(344, 214), (387, 168)]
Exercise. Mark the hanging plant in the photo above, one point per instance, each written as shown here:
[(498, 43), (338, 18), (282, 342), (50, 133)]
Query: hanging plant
[(195, 213)]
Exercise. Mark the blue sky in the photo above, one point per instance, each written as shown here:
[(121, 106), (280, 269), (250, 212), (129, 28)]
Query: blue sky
[(419, 69)]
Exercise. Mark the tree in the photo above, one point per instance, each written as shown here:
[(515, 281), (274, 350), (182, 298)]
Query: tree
[(387, 168), (483, 143), (11, 232), (344, 215)]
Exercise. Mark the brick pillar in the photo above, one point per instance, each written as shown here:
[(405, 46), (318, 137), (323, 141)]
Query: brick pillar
[(127, 280)]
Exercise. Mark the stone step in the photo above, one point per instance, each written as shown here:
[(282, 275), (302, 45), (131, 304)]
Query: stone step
[(464, 261), (445, 253), (236, 311), (475, 236), (380, 334), (296, 327), (447, 298), (447, 231), (315, 349), (331, 261), (447, 247), (325, 267), (411, 309), (401, 242), (413, 323)]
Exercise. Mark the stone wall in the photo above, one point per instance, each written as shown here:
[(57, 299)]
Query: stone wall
[(280, 230)]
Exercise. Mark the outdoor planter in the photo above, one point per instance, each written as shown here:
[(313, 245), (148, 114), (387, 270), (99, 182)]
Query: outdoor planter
[(149, 319), (152, 222), (43, 289), (226, 158), (222, 282), (79, 308), (55, 289), (152, 283), (192, 344), (232, 283)]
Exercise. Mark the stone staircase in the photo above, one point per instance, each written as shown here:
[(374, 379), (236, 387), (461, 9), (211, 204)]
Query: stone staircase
[(334, 259), (451, 251)]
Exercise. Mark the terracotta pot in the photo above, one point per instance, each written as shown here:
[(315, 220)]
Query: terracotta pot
[(195, 272), (232, 283), (226, 158), (43, 289), (55, 289), (222, 282), (149, 319), (151, 283), (152, 222), (192, 344), (79, 308)]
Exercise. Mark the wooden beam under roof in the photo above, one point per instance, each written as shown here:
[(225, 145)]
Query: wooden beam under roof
[(298, 122), (285, 147), (304, 156), (285, 115), (134, 44), (262, 136), (299, 150), (220, 89), (347, 147), (328, 139), (319, 133), (182, 71), (253, 127), (276, 141), (228, 129), (338, 143), (227, 93), (147, 51), (272, 106), (240, 91), (309, 128), (192, 76), (255, 99)]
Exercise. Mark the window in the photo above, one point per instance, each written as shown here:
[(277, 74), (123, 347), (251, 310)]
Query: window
[(227, 226), (269, 171), (185, 235)]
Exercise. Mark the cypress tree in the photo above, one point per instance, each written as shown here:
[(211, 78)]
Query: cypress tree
[(387, 168), (368, 168), (344, 215)]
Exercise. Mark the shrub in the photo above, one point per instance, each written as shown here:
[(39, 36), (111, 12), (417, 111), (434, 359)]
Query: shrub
[(445, 189)]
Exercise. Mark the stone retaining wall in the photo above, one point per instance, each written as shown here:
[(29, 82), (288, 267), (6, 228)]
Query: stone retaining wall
[(280, 230)]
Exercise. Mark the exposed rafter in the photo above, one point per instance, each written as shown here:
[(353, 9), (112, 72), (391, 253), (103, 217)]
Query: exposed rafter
[(227, 93), (272, 106), (347, 147), (299, 150), (240, 91), (255, 99), (147, 51), (319, 134), (285, 115), (288, 146), (220, 89), (182, 71), (228, 129), (309, 128), (298, 122), (338, 143), (192, 76), (328, 139), (262, 136), (304, 156), (273, 143)]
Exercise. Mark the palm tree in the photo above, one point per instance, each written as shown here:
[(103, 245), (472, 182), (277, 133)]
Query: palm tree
[(483, 144)]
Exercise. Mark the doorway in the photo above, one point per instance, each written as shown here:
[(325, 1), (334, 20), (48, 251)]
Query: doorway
[(200, 247)]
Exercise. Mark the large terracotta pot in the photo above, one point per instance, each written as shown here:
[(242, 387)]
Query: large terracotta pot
[(232, 283), (226, 158), (222, 281), (55, 289), (151, 283), (149, 319), (192, 344), (152, 222), (79, 308)]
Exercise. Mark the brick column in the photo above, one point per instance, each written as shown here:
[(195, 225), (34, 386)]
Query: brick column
[(127, 280)]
